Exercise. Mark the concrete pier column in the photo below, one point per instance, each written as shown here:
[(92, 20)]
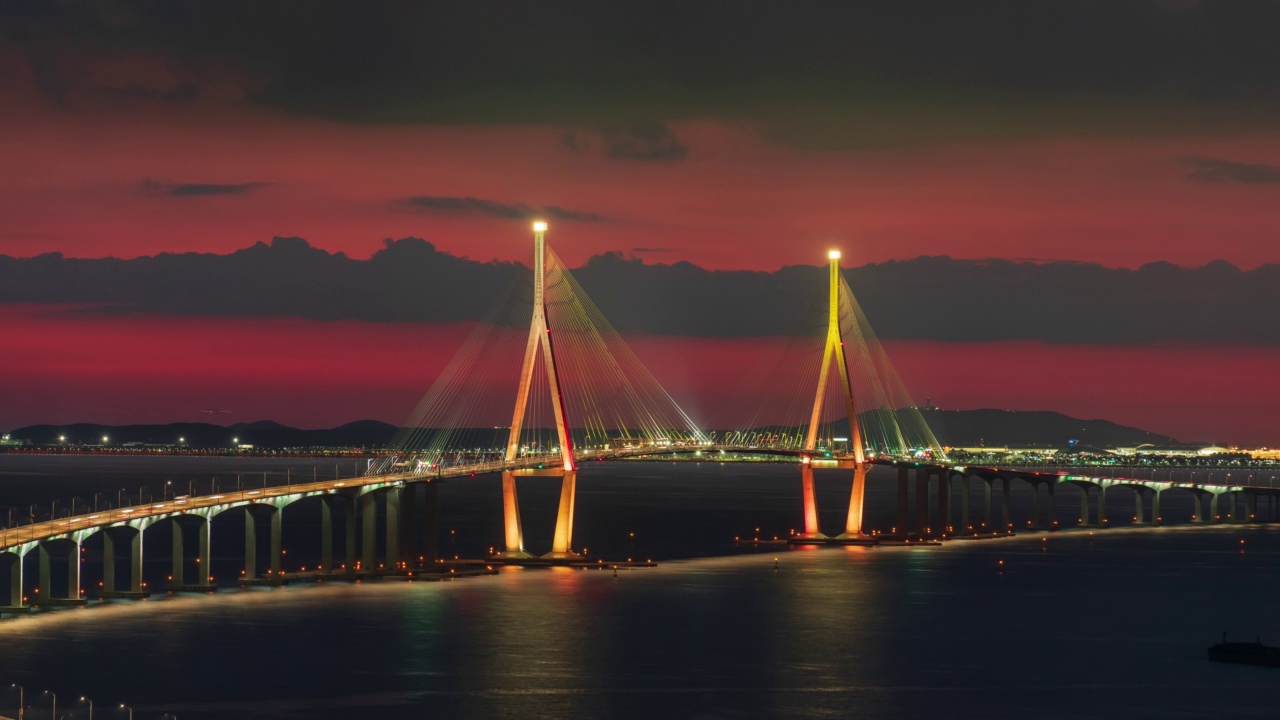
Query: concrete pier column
[(15, 581), (902, 500), (409, 525), (1213, 509), (326, 533), (986, 496), (1138, 518), (1006, 516), (922, 501), (1156, 518), (73, 572), (511, 513), (1084, 504), (1231, 508), (1102, 506), (857, 495), (277, 527), (175, 575), (108, 561), (250, 545), (1052, 488), (135, 562), (562, 543), (430, 522), (204, 573), (1251, 507), (964, 504), (45, 576), (393, 528), (369, 531), (810, 501), (1035, 504), (1197, 509), (944, 501), (349, 545)]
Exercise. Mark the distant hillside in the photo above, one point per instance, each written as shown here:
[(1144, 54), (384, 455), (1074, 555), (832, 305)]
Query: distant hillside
[(966, 428), (956, 428)]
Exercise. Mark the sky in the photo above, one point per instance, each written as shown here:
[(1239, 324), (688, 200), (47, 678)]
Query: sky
[(1061, 205)]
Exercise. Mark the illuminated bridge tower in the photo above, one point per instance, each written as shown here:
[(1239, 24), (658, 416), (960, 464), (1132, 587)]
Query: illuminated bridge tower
[(539, 338), (834, 350)]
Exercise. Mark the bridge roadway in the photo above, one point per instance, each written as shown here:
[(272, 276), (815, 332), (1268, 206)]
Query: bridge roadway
[(17, 543)]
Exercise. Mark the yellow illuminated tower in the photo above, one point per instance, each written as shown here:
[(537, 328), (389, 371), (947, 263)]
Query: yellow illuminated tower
[(834, 350), (540, 338)]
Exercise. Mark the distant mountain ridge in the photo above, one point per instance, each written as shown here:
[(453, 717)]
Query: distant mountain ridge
[(953, 428)]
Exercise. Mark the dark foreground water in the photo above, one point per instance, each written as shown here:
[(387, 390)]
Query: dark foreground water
[(1113, 624)]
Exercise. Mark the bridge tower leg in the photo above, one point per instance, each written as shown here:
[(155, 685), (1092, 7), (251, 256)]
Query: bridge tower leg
[(540, 338), (810, 501)]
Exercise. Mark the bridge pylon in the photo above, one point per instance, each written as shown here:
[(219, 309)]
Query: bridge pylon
[(540, 340), (834, 352)]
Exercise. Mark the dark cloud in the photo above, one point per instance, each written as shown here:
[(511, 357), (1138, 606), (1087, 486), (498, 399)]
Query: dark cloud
[(819, 73), (643, 141), (652, 249), (164, 189), (928, 297), (1217, 170), (494, 209)]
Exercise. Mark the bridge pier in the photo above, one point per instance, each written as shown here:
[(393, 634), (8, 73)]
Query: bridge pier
[(1051, 487), (369, 532), (1156, 517), (431, 514), (1232, 516), (1197, 509), (1035, 506), (177, 577), (1005, 514), (922, 501), (1251, 507), (326, 533), (902, 500), (393, 496), (964, 503), (1213, 509), (986, 498), (1138, 517), (109, 587), (511, 518), (1084, 505), (47, 597), (1102, 506), (16, 585), (250, 545), (944, 502)]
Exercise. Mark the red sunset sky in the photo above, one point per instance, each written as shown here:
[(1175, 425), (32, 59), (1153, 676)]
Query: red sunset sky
[(137, 135)]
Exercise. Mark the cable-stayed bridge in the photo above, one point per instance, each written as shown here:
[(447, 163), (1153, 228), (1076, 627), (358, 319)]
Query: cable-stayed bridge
[(581, 395)]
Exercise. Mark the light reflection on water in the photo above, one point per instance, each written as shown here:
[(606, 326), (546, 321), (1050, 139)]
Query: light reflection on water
[(1109, 625)]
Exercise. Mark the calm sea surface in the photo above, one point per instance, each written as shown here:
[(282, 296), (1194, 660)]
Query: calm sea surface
[(1113, 624)]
